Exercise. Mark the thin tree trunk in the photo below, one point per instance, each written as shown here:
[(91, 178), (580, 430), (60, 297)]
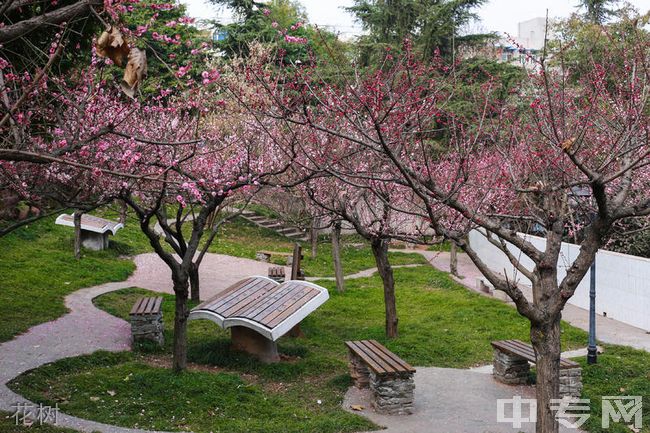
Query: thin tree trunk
[(336, 257), (195, 293), (123, 212), (313, 237), (453, 259), (77, 234), (546, 342), (380, 251), (180, 323)]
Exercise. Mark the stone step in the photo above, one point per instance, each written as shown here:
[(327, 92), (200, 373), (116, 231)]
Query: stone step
[(271, 224), (298, 236), (292, 233)]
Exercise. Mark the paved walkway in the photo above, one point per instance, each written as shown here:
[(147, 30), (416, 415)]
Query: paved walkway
[(85, 329), (607, 330), (449, 400)]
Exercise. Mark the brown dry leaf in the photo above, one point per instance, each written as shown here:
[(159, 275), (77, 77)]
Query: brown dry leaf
[(356, 407), (568, 143), (113, 45), (135, 71)]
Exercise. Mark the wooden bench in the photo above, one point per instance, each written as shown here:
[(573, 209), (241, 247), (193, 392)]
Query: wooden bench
[(147, 320), (265, 256), (389, 377), (511, 366), (276, 273)]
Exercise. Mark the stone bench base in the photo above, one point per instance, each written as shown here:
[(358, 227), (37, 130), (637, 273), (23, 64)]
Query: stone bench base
[(514, 370), (391, 394), (571, 382), (148, 327), (510, 369), (359, 371)]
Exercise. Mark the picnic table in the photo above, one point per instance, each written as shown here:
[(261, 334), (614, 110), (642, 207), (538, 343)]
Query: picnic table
[(94, 230), (259, 311)]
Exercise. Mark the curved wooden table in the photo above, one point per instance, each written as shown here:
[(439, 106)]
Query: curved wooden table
[(259, 311)]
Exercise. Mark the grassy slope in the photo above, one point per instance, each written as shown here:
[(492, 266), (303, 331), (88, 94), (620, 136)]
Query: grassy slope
[(38, 269), (441, 324), (241, 238)]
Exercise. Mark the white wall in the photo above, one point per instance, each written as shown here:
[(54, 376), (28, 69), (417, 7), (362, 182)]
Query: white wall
[(622, 281), (532, 33)]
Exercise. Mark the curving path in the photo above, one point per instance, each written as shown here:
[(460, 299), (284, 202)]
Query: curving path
[(87, 329)]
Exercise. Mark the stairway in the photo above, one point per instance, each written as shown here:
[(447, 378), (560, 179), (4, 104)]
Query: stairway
[(279, 227)]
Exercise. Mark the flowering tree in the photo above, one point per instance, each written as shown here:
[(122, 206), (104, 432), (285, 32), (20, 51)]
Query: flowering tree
[(176, 154), (359, 190), (505, 165), (372, 209)]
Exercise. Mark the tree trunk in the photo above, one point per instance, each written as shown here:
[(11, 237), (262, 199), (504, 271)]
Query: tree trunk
[(194, 283), (453, 259), (180, 323), (77, 234), (313, 237), (336, 257), (380, 251), (123, 212), (546, 342)]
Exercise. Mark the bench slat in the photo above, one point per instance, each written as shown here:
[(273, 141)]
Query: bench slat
[(143, 305), (158, 304), (136, 306), (360, 351), (290, 309), (378, 358), (146, 305), (149, 306), (382, 358), (526, 351), (403, 364)]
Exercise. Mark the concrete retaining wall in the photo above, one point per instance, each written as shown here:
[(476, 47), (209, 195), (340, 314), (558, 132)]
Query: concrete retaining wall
[(622, 281)]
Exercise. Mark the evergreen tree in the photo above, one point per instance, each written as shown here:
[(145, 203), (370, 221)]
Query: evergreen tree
[(433, 25), (597, 11)]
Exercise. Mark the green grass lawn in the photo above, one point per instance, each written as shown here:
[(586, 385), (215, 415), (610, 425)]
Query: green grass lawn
[(441, 324), (38, 269), (241, 238), (619, 371)]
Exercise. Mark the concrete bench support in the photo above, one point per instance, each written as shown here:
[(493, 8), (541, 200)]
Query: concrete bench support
[(247, 340)]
